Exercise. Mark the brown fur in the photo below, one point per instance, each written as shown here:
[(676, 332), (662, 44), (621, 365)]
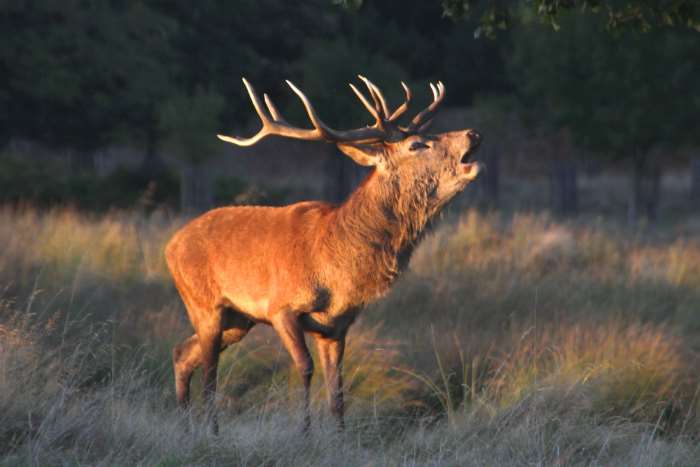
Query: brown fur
[(310, 267)]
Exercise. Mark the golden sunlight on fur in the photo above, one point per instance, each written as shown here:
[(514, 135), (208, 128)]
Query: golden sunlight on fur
[(311, 267)]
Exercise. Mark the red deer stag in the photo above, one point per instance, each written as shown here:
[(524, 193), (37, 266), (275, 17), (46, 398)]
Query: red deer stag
[(310, 267)]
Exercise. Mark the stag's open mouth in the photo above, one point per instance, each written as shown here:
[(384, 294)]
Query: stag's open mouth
[(471, 151), (470, 168)]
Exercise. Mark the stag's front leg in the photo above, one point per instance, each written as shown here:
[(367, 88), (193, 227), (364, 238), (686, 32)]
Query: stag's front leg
[(330, 352), (290, 331)]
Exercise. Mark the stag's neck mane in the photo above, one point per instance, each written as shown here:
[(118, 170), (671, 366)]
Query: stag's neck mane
[(378, 226)]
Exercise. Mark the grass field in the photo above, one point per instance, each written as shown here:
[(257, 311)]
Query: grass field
[(512, 340)]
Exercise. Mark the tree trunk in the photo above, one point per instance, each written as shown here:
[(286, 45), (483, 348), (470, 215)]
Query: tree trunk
[(489, 181), (196, 189), (646, 190), (82, 162), (564, 187), (695, 180), (152, 164), (653, 191)]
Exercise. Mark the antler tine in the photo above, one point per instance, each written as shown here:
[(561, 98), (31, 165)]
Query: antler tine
[(377, 96), (423, 118), (276, 116), (425, 126), (264, 131), (375, 99), (382, 101), (256, 100), (435, 91), (366, 103), (310, 111), (403, 107)]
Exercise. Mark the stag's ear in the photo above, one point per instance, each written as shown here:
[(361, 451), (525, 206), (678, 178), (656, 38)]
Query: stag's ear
[(369, 155)]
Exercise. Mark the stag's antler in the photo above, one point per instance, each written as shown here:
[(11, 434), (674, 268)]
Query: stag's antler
[(278, 126), (422, 121), (383, 129)]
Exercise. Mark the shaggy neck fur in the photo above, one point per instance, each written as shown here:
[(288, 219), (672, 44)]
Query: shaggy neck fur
[(378, 226)]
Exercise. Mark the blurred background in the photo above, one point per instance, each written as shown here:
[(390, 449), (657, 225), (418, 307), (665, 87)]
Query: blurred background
[(117, 103), (551, 318)]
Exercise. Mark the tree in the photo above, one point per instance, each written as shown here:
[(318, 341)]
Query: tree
[(80, 74), (638, 14), (214, 46), (428, 46), (148, 66), (217, 43), (620, 96), (61, 81), (190, 123), (695, 180)]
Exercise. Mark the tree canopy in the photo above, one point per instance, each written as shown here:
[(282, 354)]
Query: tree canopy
[(619, 95), (82, 75), (496, 15), (76, 74)]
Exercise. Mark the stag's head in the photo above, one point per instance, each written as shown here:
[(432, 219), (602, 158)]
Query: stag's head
[(408, 154)]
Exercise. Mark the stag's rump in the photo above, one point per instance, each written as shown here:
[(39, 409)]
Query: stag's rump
[(254, 259)]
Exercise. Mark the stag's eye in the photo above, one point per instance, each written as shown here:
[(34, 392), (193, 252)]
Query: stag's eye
[(416, 145)]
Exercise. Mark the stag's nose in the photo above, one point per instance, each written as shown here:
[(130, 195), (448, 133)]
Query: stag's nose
[(474, 139)]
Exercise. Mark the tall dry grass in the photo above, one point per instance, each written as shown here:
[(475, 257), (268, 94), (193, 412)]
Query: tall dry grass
[(512, 340)]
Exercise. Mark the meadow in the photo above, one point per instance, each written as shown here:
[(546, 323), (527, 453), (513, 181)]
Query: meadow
[(513, 339)]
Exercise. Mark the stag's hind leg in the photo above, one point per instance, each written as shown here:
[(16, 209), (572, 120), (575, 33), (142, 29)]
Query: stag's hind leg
[(187, 356)]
